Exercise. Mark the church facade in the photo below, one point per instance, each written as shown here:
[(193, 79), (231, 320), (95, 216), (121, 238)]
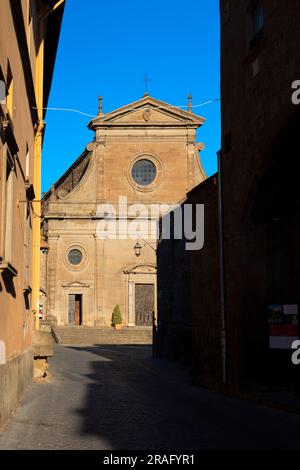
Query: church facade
[(99, 218)]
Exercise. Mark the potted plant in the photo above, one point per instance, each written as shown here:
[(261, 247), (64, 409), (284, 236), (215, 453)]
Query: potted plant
[(116, 319)]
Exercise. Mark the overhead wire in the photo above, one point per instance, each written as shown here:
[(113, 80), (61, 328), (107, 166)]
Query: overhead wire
[(78, 111)]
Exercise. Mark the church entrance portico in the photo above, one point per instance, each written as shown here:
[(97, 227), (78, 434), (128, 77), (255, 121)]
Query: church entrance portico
[(75, 301), (141, 299)]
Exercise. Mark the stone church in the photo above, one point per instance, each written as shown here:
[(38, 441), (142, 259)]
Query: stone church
[(146, 153)]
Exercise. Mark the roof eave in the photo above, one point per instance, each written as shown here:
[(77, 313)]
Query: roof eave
[(54, 22)]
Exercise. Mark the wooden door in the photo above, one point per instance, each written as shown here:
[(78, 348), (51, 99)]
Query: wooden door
[(75, 309), (144, 304), (71, 311)]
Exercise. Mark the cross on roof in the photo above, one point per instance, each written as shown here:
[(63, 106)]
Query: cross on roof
[(146, 79)]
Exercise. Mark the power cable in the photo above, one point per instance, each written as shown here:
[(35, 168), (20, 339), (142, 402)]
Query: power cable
[(77, 111)]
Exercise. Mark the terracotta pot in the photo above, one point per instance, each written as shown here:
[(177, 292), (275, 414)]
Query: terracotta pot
[(118, 326)]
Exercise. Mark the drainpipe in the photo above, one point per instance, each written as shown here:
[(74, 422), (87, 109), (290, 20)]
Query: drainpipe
[(36, 229), (222, 272)]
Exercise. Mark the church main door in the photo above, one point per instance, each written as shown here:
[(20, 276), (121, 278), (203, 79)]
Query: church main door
[(144, 304)]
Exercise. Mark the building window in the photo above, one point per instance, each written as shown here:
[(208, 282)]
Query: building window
[(144, 172), (3, 92), (10, 91), (257, 24), (75, 257), (9, 207), (27, 164)]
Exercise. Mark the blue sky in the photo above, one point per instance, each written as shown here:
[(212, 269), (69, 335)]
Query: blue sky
[(106, 48)]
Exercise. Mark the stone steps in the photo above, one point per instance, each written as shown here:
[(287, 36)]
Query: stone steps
[(81, 335)]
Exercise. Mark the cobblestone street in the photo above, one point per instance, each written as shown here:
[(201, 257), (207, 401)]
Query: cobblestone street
[(120, 398)]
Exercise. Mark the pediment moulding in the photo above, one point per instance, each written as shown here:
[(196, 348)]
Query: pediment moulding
[(77, 284), (147, 112), (146, 267)]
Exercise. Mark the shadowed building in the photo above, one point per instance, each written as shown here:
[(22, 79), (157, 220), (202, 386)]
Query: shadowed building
[(260, 127), (189, 290), (146, 153), (243, 286), (29, 33)]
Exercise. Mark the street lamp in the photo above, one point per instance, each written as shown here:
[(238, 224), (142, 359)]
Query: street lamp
[(137, 248)]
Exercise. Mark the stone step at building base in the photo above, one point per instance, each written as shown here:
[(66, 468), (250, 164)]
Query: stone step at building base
[(81, 335)]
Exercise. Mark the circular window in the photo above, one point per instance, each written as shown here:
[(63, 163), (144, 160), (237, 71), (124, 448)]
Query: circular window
[(143, 172), (75, 257)]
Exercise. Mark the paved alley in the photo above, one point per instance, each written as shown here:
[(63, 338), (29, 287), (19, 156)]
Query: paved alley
[(118, 397)]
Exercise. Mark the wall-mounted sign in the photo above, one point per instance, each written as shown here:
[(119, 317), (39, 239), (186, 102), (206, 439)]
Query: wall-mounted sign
[(283, 326)]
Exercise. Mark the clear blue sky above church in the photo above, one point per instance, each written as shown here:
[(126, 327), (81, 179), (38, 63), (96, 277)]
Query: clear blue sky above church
[(107, 47)]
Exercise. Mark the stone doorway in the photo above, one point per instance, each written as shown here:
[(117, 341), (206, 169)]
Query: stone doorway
[(75, 309), (144, 304), (141, 296)]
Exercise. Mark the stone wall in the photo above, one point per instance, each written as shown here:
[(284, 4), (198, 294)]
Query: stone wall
[(15, 379)]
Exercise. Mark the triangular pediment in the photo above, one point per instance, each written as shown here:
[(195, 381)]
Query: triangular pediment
[(76, 284), (147, 115), (148, 111)]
